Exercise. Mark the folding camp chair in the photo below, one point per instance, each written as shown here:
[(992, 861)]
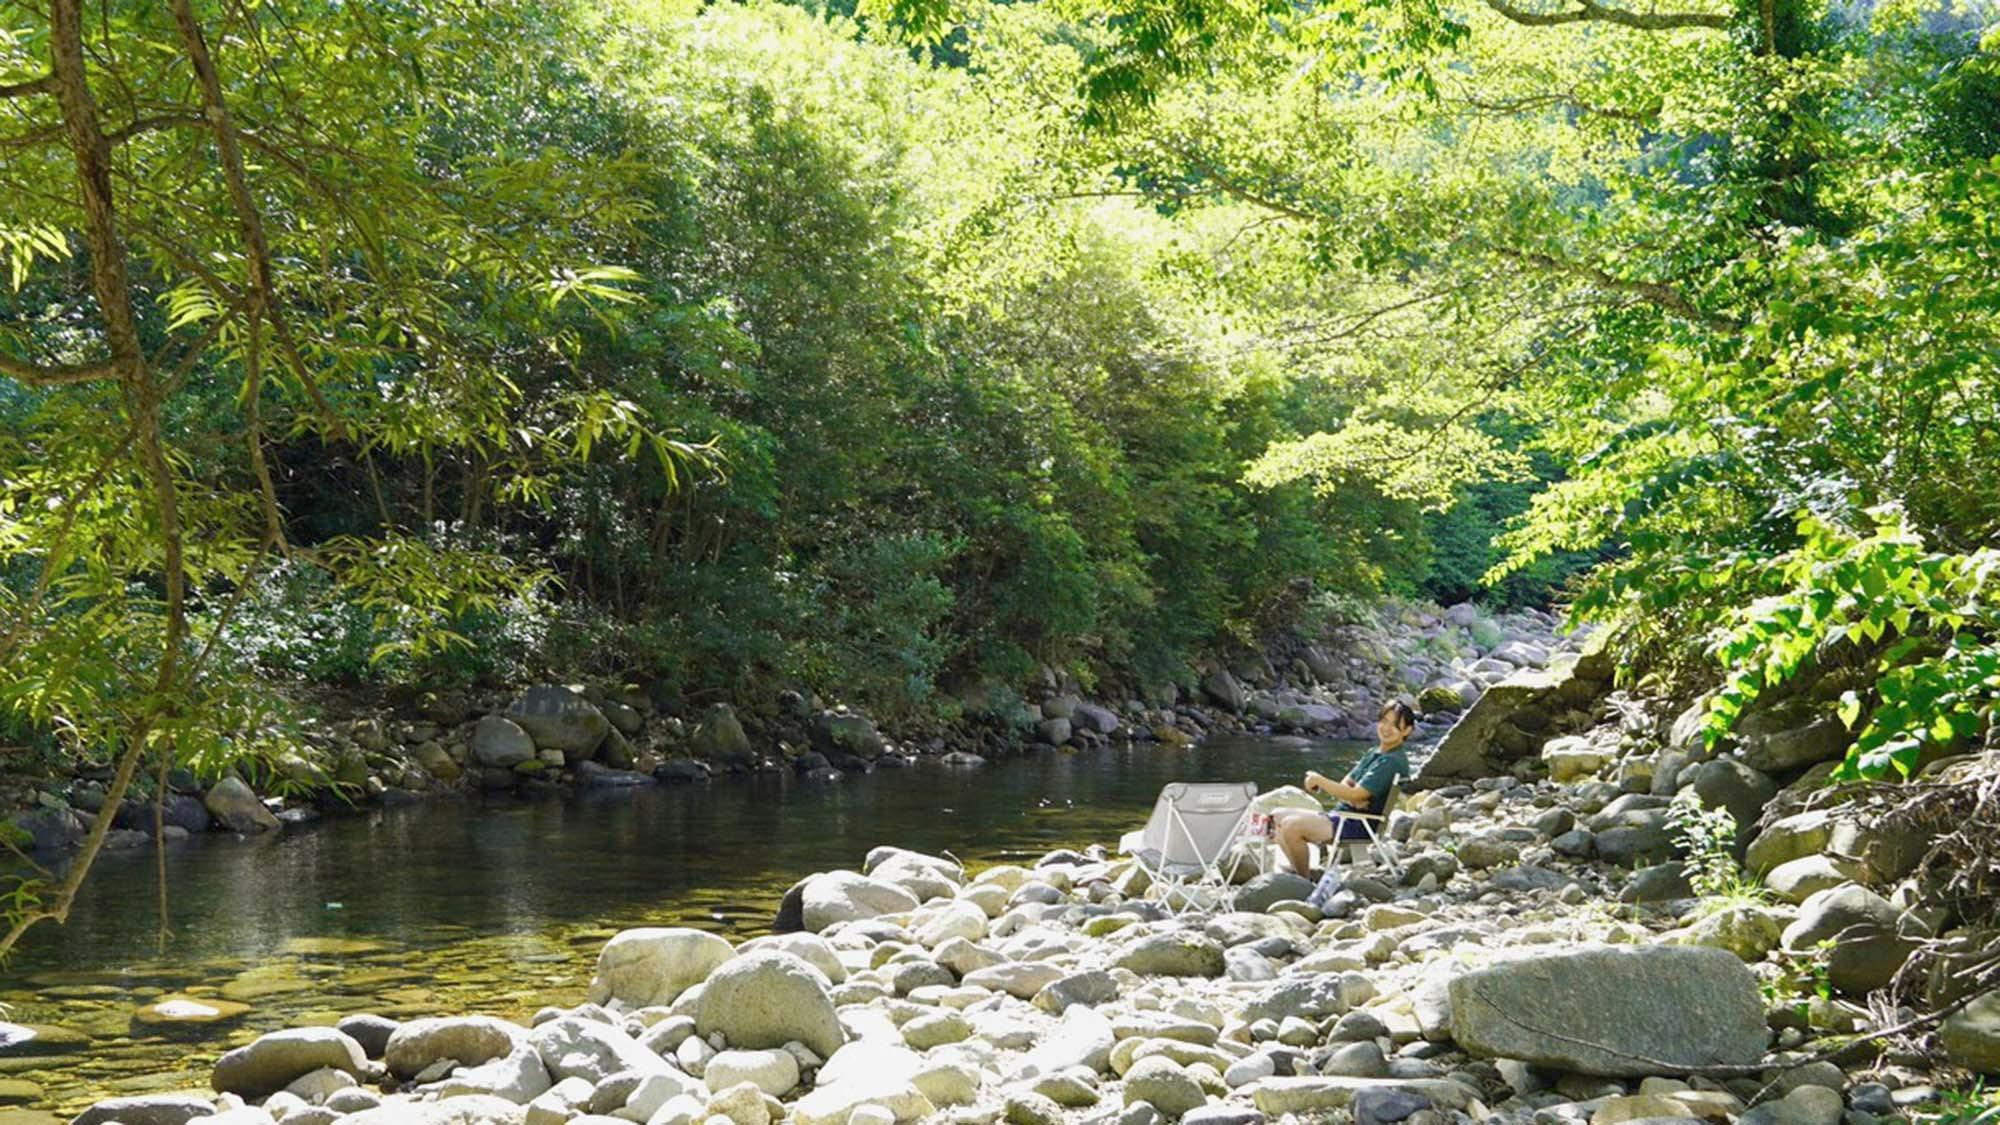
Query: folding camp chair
[(1377, 827), (1186, 842)]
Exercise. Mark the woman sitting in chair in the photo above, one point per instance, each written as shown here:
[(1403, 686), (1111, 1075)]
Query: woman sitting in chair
[(1364, 791)]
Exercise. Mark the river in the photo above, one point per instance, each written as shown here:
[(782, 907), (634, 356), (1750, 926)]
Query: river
[(500, 905)]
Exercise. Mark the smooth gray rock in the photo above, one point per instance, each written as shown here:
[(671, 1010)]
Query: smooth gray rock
[(1261, 892), (237, 808), (147, 1109), (499, 743), (768, 999), (1173, 955), (560, 718), (1826, 913), (271, 1062), (1614, 1012)]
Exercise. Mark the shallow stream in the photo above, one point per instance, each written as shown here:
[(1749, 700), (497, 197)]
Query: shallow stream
[(499, 906)]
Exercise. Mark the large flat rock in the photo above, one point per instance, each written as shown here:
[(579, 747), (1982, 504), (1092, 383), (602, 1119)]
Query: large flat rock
[(1616, 1012)]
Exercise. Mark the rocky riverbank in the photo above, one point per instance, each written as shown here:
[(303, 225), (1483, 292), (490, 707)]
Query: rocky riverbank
[(1534, 953), (546, 739)]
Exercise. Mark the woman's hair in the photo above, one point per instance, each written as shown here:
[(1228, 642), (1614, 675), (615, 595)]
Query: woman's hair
[(1406, 715)]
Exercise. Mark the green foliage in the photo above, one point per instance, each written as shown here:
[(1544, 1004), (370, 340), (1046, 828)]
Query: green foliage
[(1708, 836), (1930, 621)]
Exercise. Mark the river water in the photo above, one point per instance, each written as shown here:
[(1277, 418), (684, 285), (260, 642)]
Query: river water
[(499, 906)]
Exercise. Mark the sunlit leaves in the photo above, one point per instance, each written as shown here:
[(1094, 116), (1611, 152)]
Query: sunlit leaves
[(1930, 620)]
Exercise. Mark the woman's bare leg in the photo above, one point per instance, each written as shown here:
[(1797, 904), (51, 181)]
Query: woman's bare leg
[(1297, 831)]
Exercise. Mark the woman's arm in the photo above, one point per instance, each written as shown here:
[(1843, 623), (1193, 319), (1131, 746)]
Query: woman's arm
[(1342, 790)]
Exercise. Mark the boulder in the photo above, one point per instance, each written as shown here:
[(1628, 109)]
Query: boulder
[(1729, 784), (1971, 1036), (1794, 837), (810, 948), (470, 1040), (1094, 719), (500, 743), (1475, 746), (1799, 879), (832, 897), (1571, 757), (470, 1109), (1180, 954), (1019, 979), (574, 1047), (1261, 892), (232, 803), (720, 738), (1163, 1084), (654, 965), (1827, 913), (147, 1109), (769, 999), (1790, 736), (272, 1062), (518, 1077), (776, 1072), (841, 733), (1615, 1012), (865, 1072), (925, 876), (1866, 957), (560, 718), (1223, 688), (1748, 931)]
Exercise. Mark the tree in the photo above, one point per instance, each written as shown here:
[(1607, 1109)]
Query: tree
[(282, 245)]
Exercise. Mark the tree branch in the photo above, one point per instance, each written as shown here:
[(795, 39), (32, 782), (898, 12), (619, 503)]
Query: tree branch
[(55, 375), (1654, 292), (1590, 11), (46, 84)]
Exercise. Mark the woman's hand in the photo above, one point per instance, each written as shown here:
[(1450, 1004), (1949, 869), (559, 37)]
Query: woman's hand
[(1314, 781)]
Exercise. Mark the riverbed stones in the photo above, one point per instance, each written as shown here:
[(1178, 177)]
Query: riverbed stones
[(468, 1040), (721, 739), (924, 876), (1181, 954), (1749, 931), (1163, 1084), (560, 718), (237, 808), (468, 1109), (1793, 837), (271, 1062), (572, 1047), (369, 1030), (148, 1109), (500, 743), (865, 1072), (768, 999), (1971, 1036), (1264, 891), (1614, 1012), (1825, 914), (776, 1072), (810, 948), (1019, 979), (654, 965), (832, 897)]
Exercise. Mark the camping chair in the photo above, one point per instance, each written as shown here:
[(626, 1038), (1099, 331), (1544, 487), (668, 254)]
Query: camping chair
[(1376, 825), (1193, 830)]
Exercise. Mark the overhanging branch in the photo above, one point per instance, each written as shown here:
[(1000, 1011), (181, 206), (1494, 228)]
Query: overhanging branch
[(46, 84), (54, 375), (1590, 11), (1656, 293)]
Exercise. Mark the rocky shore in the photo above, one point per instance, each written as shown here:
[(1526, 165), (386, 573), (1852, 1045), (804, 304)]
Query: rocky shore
[(547, 739), (1532, 954)]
